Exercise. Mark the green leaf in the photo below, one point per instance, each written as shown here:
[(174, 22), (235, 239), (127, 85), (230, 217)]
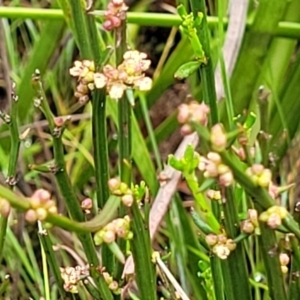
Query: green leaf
[(187, 69)]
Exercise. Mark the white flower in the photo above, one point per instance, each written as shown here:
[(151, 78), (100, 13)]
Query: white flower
[(221, 251), (100, 80), (116, 90)]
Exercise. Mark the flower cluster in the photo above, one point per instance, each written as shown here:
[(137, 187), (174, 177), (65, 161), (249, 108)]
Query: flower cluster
[(112, 284), (114, 14), (273, 216), (192, 112), (213, 167), (251, 223), (129, 74), (284, 261), (40, 206), (117, 228), (4, 207), (220, 245), (121, 189), (259, 175), (73, 276)]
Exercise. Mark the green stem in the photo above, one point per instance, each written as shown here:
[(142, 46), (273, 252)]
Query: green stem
[(145, 111), (13, 161), (269, 251), (234, 269), (81, 32), (100, 146), (284, 29), (141, 252), (207, 69), (226, 83), (218, 281), (294, 280)]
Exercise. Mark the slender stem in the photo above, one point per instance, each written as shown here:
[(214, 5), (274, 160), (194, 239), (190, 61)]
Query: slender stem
[(13, 161), (207, 69), (236, 284), (269, 252), (81, 33), (143, 102), (226, 83), (284, 29), (100, 146), (141, 251)]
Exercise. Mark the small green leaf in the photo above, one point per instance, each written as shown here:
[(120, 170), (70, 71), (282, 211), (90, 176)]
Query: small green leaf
[(175, 163), (187, 69), (251, 118)]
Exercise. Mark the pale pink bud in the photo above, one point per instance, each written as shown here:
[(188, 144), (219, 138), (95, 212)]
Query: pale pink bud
[(253, 216), (127, 200), (114, 184), (4, 207), (218, 138), (183, 113), (87, 203), (30, 216), (113, 286), (109, 237), (186, 129), (211, 239), (274, 221), (284, 259), (247, 227), (41, 213)]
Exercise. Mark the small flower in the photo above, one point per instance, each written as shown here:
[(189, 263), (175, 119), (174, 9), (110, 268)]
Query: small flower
[(143, 84), (116, 90), (211, 239), (247, 227), (87, 205), (127, 200), (218, 138), (100, 80), (221, 251), (4, 207)]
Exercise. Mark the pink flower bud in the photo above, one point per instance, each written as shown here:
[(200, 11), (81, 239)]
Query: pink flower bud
[(87, 203), (211, 239), (284, 259), (30, 216), (4, 207), (127, 200), (114, 184)]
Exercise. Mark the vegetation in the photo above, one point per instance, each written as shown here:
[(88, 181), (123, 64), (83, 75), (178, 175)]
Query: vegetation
[(92, 207)]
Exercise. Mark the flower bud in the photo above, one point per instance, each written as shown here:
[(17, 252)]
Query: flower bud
[(247, 227), (4, 207), (284, 259), (218, 138), (114, 184), (127, 200), (211, 239), (30, 216)]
